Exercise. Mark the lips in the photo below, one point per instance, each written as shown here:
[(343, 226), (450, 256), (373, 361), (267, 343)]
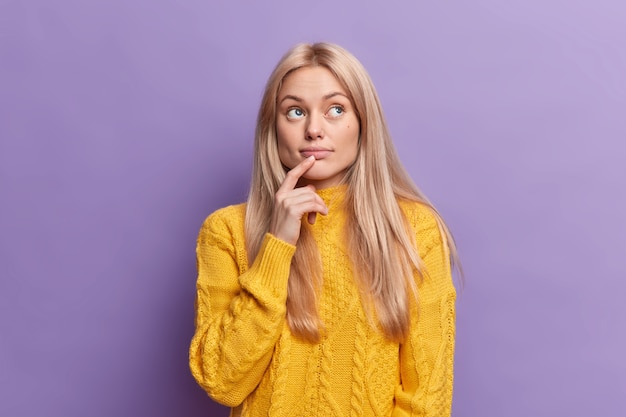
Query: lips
[(318, 153)]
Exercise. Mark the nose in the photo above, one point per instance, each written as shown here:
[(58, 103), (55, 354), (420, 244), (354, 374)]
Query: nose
[(314, 128)]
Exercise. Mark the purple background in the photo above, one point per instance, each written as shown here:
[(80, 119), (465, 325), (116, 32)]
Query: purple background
[(124, 123)]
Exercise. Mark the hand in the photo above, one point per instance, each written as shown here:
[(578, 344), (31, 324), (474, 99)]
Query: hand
[(291, 204)]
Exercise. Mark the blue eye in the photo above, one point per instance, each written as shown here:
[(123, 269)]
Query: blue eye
[(295, 113), (335, 111)]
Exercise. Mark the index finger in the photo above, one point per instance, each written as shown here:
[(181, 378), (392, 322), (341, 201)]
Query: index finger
[(296, 172)]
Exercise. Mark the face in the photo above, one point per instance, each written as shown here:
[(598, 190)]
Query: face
[(315, 117)]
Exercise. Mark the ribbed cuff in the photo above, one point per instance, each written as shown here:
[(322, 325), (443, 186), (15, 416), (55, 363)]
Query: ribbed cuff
[(270, 269)]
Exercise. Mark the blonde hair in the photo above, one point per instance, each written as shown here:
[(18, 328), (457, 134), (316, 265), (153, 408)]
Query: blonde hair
[(382, 246)]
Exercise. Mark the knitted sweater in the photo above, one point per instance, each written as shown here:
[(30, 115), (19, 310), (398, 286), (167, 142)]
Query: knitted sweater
[(244, 355)]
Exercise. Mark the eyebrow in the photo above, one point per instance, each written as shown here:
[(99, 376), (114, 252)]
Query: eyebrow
[(300, 100), (331, 95), (289, 96)]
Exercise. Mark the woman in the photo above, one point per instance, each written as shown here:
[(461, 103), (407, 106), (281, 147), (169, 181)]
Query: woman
[(330, 292)]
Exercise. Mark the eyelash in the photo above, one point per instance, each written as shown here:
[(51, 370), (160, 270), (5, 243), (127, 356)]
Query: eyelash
[(340, 108), (291, 109)]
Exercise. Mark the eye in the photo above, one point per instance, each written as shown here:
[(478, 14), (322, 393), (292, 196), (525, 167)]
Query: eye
[(335, 111), (295, 113)]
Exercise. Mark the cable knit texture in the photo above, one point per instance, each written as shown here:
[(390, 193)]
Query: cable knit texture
[(244, 355)]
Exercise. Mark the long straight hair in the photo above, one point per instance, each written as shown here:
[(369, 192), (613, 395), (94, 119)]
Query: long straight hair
[(381, 243)]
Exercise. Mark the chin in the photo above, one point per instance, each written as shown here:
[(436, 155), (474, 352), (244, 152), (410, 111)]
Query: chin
[(318, 176)]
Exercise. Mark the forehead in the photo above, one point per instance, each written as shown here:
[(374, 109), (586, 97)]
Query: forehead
[(311, 81)]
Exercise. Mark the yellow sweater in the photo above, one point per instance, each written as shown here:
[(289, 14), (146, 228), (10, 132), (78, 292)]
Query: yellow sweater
[(244, 355)]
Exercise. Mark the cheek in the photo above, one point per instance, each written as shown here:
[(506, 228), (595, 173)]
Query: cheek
[(354, 130), (281, 136), (284, 135), (285, 148), (289, 134)]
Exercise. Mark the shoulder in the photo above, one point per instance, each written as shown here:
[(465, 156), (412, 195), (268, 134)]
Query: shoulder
[(424, 221), (225, 222)]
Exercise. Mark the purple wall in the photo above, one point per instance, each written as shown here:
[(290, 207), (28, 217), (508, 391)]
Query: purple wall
[(124, 123)]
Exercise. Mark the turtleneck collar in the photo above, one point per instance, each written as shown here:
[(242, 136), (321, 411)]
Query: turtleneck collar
[(333, 196)]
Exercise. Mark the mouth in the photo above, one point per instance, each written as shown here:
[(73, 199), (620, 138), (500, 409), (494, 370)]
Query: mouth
[(318, 153)]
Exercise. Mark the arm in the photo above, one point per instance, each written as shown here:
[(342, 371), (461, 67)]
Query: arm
[(239, 313), (426, 357)]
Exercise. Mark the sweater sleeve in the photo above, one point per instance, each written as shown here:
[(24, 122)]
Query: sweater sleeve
[(240, 312), (426, 357)]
